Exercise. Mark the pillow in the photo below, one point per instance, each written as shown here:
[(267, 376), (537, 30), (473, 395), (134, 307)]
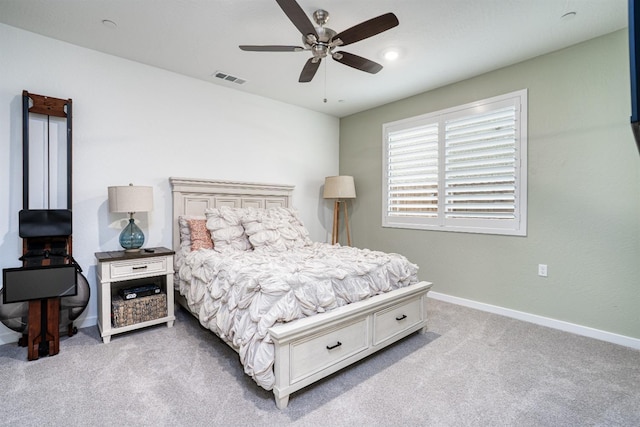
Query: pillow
[(185, 241), (226, 229), (185, 232), (276, 229), (200, 237), (296, 223)]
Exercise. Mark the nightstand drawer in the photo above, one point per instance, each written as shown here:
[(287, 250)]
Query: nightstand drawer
[(135, 268)]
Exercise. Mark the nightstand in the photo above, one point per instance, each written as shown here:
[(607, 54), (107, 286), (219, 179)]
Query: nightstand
[(121, 270)]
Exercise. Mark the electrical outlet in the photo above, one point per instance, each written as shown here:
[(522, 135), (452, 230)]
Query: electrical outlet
[(542, 270)]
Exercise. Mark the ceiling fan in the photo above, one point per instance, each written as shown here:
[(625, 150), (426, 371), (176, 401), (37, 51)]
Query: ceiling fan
[(323, 41)]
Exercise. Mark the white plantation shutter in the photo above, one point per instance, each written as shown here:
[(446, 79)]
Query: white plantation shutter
[(413, 172), (462, 169), (480, 166)]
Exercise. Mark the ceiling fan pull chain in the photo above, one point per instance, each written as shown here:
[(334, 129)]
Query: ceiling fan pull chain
[(325, 82)]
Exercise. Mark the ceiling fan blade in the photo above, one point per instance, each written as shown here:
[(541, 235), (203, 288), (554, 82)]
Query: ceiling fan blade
[(357, 62), (297, 16), (309, 70), (271, 48), (367, 29)]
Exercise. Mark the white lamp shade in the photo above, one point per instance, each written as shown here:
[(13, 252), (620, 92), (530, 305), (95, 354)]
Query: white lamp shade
[(339, 187), (130, 198)]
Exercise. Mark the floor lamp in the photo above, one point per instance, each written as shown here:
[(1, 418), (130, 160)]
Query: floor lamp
[(339, 188)]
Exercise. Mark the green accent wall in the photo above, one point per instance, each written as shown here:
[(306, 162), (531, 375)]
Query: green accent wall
[(583, 193)]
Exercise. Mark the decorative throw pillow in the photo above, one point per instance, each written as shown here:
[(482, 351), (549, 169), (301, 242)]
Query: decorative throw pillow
[(200, 237), (185, 239), (275, 229), (263, 231), (296, 223), (185, 232), (226, 229)]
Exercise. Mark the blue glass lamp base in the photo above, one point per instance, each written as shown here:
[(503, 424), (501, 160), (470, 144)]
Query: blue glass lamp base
[(131, 238)]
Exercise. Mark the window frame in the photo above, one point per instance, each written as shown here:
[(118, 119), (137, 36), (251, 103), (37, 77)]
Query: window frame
[(516, 226)]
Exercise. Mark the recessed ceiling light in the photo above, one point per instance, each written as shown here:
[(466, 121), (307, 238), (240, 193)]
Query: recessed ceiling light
[(109, 23), (391, 54)]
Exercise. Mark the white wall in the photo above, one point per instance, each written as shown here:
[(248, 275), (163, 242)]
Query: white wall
[(139, 124)]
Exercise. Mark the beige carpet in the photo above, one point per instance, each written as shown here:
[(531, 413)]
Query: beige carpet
[(471, 369)]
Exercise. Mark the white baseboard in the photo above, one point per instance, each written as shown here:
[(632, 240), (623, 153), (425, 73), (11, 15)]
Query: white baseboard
[(541, 320), (7, 336)]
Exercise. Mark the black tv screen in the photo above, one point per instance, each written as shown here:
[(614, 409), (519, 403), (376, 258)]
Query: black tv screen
[(31, 283), (634, 57)]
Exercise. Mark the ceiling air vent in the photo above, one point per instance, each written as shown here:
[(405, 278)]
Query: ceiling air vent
[(229, 77)]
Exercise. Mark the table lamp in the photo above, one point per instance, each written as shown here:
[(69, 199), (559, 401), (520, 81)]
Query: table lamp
[(131, 199), (339, 188)]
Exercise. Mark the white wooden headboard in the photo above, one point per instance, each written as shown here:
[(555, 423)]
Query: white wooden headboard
[(192, 196)]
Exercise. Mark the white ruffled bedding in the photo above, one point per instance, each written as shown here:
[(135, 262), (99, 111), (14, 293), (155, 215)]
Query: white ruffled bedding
[(239, 295)]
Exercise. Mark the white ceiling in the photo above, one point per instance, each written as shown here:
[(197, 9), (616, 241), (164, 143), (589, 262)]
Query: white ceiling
[(441, 41)]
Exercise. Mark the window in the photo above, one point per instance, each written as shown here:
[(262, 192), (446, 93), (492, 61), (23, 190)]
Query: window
[(461, 169)]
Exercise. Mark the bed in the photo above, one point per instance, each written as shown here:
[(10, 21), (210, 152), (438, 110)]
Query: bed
[(323, 325)]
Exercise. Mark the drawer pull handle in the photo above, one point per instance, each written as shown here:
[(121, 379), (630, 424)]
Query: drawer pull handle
[(399, 318), (142, 267), (331, 347)]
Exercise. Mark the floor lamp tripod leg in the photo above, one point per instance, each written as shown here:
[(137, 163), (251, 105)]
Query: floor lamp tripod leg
[(336, 212), (346, 223)]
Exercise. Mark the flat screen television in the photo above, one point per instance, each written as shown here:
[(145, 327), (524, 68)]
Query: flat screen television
[(31, 283), (634, 58)]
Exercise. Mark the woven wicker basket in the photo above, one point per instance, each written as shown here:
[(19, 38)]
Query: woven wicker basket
[(129, 312)]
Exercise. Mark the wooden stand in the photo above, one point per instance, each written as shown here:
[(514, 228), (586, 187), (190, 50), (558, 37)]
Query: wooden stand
[(43, 330), (336, 222)]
